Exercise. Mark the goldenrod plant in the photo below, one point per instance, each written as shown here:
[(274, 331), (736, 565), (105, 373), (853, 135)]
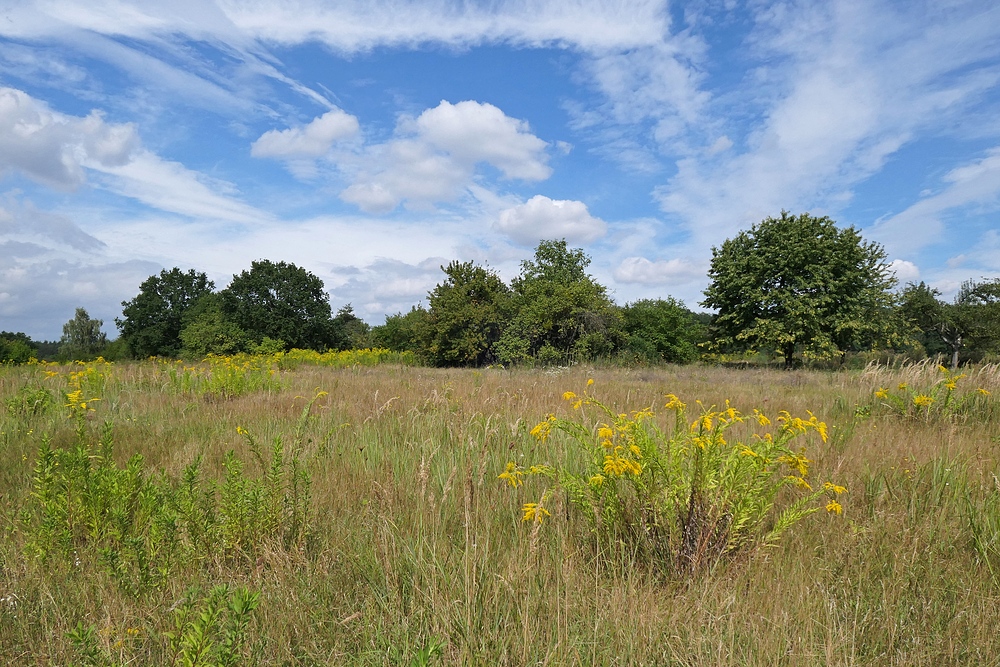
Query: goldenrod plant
[(688, 497), (941, 399)]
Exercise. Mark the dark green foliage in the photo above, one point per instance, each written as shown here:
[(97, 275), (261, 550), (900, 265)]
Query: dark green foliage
[(350, 332), (467, 315), (969, 325), (207, 330), (799, 284), (404, 333), (560, 311), (16, 348), (152, 322), (280, 301), (663, 330), (82, 337)]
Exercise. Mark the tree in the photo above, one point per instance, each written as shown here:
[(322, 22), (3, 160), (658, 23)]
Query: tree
[(208, 331), (350, 332), (16, 348), (467, 315), (153, 320), (280, 301), (404, 333), (971, 322), (663, 330), (560, 310), (800, 284), (82, 337)]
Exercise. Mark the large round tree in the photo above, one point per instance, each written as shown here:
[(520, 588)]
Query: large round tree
[(800, 285), (151, 323), (280, 301)]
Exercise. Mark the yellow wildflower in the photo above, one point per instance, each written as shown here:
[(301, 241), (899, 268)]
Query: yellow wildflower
[(830, 486), (569, 396), (674, 403), (242, 431), (799, 482), (922, 400), (983, 391), (950, 385), (834, 507), (597, 481), (511, 475), (605, 432), (882, 393), (590, 381), (761, 418), (903, 386), (534, 512)]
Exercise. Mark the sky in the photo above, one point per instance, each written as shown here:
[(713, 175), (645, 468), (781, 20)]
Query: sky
[(372, 141)]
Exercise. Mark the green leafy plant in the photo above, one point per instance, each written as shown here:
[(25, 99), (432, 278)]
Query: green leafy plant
[(686, 499), (940, 400), (30, 401)]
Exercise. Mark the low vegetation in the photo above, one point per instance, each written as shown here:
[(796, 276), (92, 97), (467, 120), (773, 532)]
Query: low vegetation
[(319, 509)]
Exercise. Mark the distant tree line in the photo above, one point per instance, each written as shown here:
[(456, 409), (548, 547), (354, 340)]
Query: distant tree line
[(794, 288)]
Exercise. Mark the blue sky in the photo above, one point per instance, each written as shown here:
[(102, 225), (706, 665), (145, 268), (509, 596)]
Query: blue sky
[(371, 142)]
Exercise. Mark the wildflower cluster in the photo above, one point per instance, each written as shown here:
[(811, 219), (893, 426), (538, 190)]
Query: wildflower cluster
[(689, 497), (343, 359), (941, 399), (84, 385), (223, 375)]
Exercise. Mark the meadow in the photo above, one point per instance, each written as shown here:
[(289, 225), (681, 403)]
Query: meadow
[(310, 510)]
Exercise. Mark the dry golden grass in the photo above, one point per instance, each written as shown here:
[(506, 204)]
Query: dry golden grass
[(415, 539)]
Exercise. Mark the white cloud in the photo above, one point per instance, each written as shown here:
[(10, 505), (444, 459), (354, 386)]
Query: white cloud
[(57, 150), (51, 148), (543, 218), (905, 271), (312, 140), (643, 271), (836, 89), (974, 184), (434, 157)]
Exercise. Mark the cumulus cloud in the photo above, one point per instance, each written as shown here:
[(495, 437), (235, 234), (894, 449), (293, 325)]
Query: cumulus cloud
[(434, 156), (904, 270), (643, 271), (543, 218), (312, 140), (53, 148)]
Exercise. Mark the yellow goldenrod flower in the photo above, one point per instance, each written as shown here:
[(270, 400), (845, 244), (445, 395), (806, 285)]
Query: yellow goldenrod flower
[(569, 396), (830, 486), (597, 481), (590, 381), (834, 507), (605, 432), (922, 400), (799, 482), (942, 368), (242, 431), (903, 386), (950, 385), (761, 418), (674, 403), (983, 391), (511, 475), (882, 393), (534, 512)]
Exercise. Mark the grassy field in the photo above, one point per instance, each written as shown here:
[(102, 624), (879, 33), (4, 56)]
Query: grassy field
[(360, 521)]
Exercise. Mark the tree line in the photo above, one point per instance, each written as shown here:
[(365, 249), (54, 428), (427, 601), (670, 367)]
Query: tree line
[(798, 288)]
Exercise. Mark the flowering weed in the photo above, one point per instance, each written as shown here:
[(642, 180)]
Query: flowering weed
[(689, 497)]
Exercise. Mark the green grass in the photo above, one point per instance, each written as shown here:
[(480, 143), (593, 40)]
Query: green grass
[(414, 553)]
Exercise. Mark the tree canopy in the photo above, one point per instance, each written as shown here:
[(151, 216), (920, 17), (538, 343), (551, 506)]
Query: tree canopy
[(280, 301), (82, 337), (152, 322), (800, 284), (468, 312)]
